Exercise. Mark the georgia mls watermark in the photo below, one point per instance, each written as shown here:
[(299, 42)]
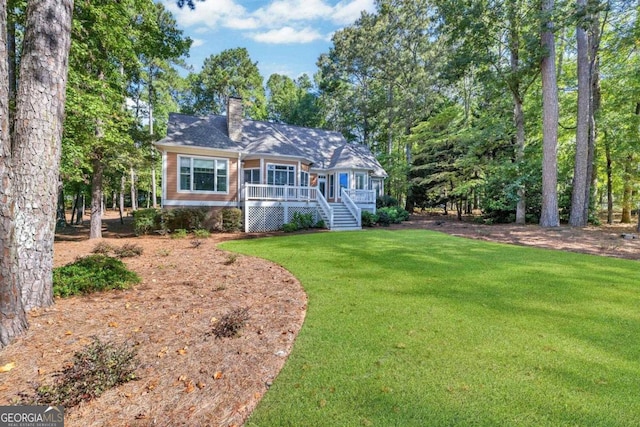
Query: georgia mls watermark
[(31, 416)]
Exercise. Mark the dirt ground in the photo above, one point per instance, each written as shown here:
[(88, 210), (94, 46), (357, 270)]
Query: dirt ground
[(187, 377)]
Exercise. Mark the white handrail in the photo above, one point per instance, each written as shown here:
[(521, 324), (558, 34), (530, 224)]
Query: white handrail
[(326, 208), (353, 208), (279, 192), (361, 196)]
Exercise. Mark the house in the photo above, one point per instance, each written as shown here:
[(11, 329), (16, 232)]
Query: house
[(268, 170)]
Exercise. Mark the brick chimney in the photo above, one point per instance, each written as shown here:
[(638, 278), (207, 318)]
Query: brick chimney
[(234, 118)]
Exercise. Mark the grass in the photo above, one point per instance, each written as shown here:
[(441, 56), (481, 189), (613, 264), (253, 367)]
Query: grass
[(414, 328)]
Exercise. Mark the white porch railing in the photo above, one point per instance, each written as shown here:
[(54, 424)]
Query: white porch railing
[(353, 208), (361, 196), (326, 209), (280, 192)]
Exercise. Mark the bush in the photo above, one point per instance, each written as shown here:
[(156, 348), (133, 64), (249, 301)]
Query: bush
[(231, 323), (290, 227), (392, 215), (145, 220), (179, 233), (103, 248), (320, 224), (386, 202), (302, 221), (369, 219), (231, 219), (128, 250), (201, 233), (93, 273), (95, 369), (183, 218)]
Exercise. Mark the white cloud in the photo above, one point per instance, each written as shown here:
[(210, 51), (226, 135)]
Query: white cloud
[(210, 13), (280, 12), (346, 12), (197, 42), (279, 22), (287, 35)]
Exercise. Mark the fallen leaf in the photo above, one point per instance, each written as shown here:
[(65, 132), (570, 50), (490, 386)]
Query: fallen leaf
[(68, 333), (162, 352), (200, 385), (189, 387), (9, 366), (113, 324), (182, 351), (217, 375)]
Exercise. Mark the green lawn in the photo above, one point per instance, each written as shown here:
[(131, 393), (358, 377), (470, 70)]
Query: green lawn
[(417, 328)]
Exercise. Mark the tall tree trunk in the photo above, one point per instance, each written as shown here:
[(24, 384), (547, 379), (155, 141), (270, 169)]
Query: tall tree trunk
[(61, 219), (13, 67), (13, 319), (549, 216), (607, 150), (153, 150), (594, 107), (95, 230), (518, 112), (134, 198), (37, 143), (80, 211), (123, 180), (581, 179)]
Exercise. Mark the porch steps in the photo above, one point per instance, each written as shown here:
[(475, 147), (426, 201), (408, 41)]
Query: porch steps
[(343, 219)]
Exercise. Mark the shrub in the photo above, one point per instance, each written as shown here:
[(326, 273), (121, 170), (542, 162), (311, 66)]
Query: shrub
[(369, 219), (179, 233), (231, 323), (383, 217), (386, 202), (302, 221), (95, 369), (320, 224), (290, 227), (201, 233), (231, 219), (145, 220), (392, 215), (93, 273), (183, 218), (103, 248), (128, 250)]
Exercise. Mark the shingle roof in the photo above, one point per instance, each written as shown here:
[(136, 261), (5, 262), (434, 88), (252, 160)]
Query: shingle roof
[(325, 149)]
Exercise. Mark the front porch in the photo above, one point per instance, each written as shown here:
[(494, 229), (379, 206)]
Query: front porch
[(269, 207)]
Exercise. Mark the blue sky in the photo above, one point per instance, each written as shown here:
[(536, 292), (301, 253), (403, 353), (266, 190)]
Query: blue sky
[(283, 36)]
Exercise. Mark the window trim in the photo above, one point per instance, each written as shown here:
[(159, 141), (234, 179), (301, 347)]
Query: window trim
[(291, 172), (215, 173), (252, 170)]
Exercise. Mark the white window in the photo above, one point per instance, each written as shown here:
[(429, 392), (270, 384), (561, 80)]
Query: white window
[(203, 174), (252, 176), (281, 175), (304, 179), (361, 180)]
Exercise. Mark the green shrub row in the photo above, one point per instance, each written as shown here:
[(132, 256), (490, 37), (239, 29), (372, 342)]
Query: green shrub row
[(300, 221), (384, 216), (168, 220)]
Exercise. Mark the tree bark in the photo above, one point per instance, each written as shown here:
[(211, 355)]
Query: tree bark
[(518, 112), (95, 229), (37, 143), (134, 199), (581, 179), (627, 190), (13, 319), (607, 148), (123, 180), (549, 216)]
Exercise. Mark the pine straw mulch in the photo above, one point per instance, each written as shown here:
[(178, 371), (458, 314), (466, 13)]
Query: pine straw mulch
[(189, 378)]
